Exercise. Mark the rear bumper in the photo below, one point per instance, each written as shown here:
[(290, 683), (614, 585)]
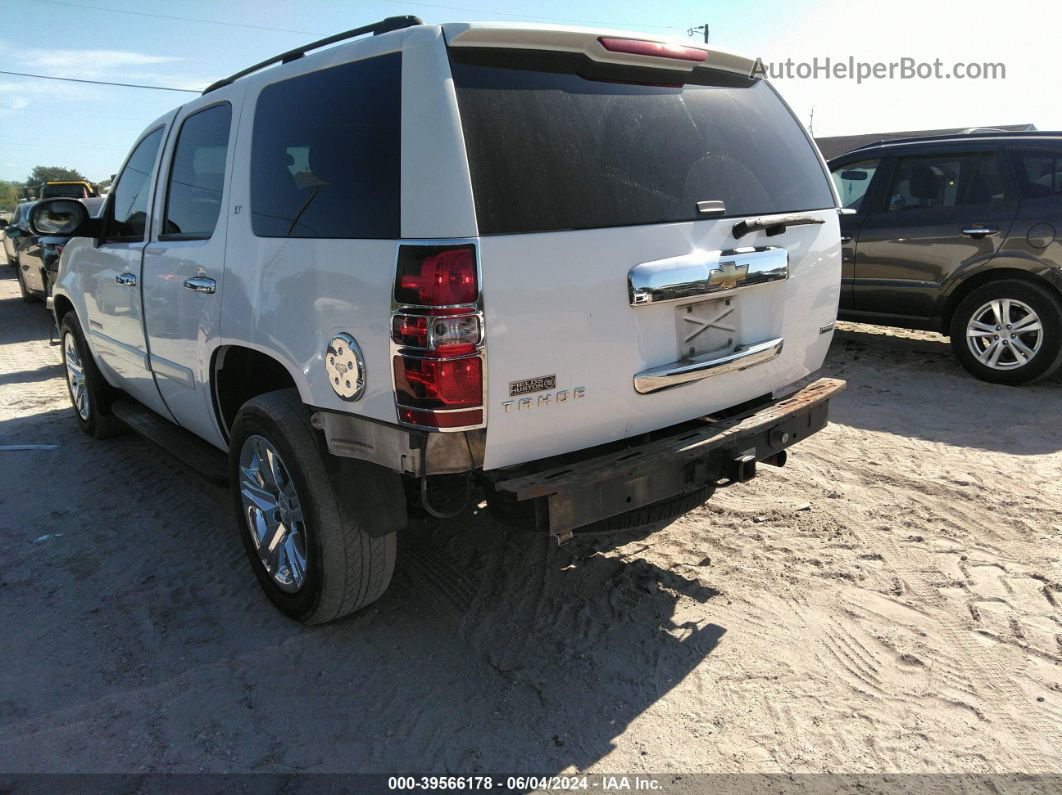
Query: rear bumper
[(720, 453)]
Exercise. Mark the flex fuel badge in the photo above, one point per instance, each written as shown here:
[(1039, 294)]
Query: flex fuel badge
[(531, 385)]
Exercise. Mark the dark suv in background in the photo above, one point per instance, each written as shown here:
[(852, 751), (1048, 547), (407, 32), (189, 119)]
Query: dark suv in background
[(959, 235)]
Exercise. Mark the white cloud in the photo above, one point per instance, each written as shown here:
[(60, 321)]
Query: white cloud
[(18, 92), (89, 64), (126, 66)]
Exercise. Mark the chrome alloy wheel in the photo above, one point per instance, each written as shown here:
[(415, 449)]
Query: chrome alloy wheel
[(1004, 334), (75, 376), (273, 513)]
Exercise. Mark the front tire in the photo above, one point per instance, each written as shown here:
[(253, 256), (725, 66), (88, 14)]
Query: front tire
[(1008, 332), (315, 560), (89, 393)]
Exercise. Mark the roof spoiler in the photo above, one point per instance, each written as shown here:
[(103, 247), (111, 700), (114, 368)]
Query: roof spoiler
[(598, 45)]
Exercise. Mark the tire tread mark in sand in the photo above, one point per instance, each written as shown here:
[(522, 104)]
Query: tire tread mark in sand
[(842, 652), (1000, 692), (871, 659), (428, 564), (1048, 657)]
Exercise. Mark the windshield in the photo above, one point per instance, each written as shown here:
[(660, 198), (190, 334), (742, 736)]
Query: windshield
[(550, 149)]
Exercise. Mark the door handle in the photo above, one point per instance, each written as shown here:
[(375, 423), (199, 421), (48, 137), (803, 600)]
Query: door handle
[(978, 232), (846, 238), (201, 284), (125, 279)]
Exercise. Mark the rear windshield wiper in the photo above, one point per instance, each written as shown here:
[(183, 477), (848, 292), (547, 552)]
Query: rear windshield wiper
[(774, 224)]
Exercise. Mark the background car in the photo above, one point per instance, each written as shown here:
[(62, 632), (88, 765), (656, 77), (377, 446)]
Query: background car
[(37, 256), (69, 189), (959, 235), (10, 233)]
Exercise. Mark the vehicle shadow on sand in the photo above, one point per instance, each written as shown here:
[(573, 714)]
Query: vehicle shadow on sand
[(143, 643), (910, 384), (42, 373), (580, 639), (21, 321)]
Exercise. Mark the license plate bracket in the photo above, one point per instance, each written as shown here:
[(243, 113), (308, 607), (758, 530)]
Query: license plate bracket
[(706, 327)]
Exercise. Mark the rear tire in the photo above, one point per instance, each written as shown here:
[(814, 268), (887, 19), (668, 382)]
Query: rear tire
[(90, 394), (987, 338), (343, 566)]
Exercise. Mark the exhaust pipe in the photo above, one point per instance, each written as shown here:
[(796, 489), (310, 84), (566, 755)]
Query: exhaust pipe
[(778, 459)]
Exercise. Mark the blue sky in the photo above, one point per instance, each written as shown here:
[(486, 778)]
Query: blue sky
[(91, 127)]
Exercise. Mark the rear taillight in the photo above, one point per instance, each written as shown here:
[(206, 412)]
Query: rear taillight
[(437, 330), (439, 383), (436, 276), (446, 335), (654, 48)]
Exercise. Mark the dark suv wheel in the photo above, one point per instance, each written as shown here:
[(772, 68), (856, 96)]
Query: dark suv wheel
[(1008, 332)]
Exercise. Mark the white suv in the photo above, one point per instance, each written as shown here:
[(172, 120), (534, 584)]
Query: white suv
[(574, 269)]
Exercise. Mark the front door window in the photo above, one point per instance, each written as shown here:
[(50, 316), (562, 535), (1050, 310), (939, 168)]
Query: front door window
[(128, 216)]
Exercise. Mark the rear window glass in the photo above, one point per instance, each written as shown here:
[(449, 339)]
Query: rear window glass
[(550, 149), (64, 191), (325, 157), (1039, 173)]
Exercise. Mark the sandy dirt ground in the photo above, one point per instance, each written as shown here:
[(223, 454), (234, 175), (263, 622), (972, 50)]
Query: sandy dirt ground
[(889, 601)]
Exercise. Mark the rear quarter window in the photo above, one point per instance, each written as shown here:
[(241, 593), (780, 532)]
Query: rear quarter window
[(551, 149), (1039, 173), (325, 153)]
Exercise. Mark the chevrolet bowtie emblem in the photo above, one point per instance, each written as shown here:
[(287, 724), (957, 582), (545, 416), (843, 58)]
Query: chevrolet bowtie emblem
[(728, 275)]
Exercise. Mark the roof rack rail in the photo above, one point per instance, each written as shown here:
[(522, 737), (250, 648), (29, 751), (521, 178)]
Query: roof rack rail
[(376, 28), (962, 135)]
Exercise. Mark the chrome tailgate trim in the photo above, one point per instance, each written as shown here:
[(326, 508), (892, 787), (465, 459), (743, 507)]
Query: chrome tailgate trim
[(689, 370), (702, 273)]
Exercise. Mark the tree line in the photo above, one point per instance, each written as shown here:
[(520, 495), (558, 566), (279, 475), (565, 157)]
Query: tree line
[(11, 193)]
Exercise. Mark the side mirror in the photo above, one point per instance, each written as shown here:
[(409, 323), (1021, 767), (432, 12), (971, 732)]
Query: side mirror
[(3, 224), (66, 217), (13, 231)]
